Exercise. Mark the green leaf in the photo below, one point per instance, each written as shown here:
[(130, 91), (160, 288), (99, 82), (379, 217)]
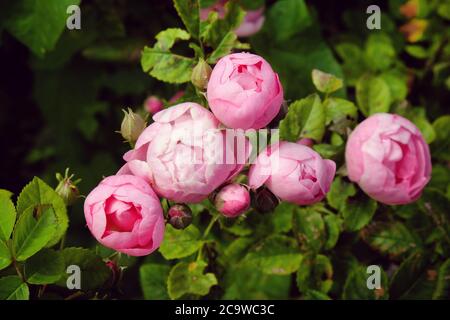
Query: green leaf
[(153, 278), (276, 254), (160, 63), (397, 83), (37, 192), (94, 271), (286, 18), (39, 24), (355, 287), (328, 151), (326, 82), (358, 212), (188, 10), (372, 95), (310, 228), (305, 119), (407, 274), (214, 29), (338, 108), (236, 250), (6, 193), (187, 278), (442, 288), (12, 288), (333, 226), (416, 51), (282, 217), (315, 273), (340, 191), (354, 62), (7, 217), (315, 295), (180, 243), (32, 234), (243, 281), (379, 51), (5, 255), (223, 48), (391, 238), (441, 145), (47, 266)]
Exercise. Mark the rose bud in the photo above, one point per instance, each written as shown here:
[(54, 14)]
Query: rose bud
[(132, 126), (244, 92), (264, 200), (232, 200), (200, 74), (67, 188), (388, 157), (181, 154), (180, 216), (293, 172), (123, 213), (153, 104)]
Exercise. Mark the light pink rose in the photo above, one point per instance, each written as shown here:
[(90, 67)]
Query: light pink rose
[(232, 200), (252, 23), (293, 172), (244, 92), (123, 213), (153, 104), (182, 154), (389, 159)]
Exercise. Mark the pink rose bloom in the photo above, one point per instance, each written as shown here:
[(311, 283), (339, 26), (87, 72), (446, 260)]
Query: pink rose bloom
[(182, 154), (252, 23), (123, 213), (244, 92), (232, 200), (293, 172), (389, 159), (153, 105)]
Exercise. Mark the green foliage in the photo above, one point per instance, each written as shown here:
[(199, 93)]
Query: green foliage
[(34, 229), (94, 271), (305, 119), (38, 193), (358, 213), (315, 273), (180, 243), (373, 95), (47, 266), (355, 287), (7, 217), (189, 278), (326, 82), (39, 24), (153, 279), (13, 288), (5, 255)]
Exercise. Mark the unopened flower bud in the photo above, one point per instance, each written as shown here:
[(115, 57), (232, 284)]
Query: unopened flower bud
[(132, 126), (232, 200), (180, 216), (153, 104), (264, 200), (200, 74), (67, 188)]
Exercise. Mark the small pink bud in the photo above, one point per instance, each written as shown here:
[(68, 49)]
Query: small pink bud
[(232, 200), (153, 104), (180, 216)]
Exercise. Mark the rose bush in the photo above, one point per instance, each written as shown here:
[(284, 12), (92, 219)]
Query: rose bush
[(273, 150)]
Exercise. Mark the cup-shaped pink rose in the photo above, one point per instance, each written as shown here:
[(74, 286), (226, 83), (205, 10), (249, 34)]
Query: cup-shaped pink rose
[(153, 105), (123, 213), (244, 92), (388, 157), (293, 172), (184, 154), (232, 200), (252, 23)]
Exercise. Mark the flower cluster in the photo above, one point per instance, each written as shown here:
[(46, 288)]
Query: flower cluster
[(186, 156)]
